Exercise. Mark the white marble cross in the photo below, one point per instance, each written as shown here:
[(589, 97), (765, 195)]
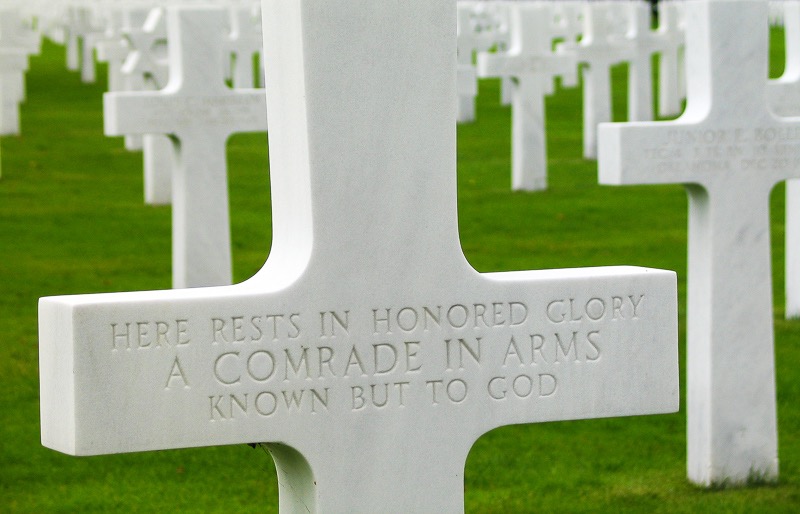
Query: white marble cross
[(367, 355), (83, 32), (531, 63), (784, 100), (13, 65), (244, 41), (17, 42), (133, 46), (146, 68), (567, 27), (730, 151), (200, 112), (601, 47), (646, 43), (113, 50), (671, 62), (16, 33), (475, 28)]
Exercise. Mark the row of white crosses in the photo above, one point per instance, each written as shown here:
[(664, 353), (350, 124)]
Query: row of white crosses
[(323, 224), (366, 287), (137, 58), (729, 149), (82, 24), (168, 96), (134, 41)]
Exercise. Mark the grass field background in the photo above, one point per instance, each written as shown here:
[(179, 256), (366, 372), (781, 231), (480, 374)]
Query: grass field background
[(72, 220)]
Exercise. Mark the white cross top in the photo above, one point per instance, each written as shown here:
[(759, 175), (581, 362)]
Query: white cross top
[(532, 63), (201, 112), (730, 151), (646, 42), (671, 69), (601, 47), (476, 27), (244, 41), (367, 353), (783, 95)]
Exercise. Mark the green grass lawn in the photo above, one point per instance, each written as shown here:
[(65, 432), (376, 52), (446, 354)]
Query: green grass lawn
[(72, 220)]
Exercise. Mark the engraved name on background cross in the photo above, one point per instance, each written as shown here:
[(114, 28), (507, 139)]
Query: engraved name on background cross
[(367, 354), (730, 151)]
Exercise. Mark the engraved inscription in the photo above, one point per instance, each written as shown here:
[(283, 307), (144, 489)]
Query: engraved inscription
[(388, 357), (687, 150)]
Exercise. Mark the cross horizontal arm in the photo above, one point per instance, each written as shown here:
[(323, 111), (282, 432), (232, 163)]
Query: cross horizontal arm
[(492, 65), (157, 112), (228, 365)]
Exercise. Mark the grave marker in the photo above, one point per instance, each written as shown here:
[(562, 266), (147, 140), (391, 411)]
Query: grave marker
[(532, 64), (13, 64), (476, 30), (367, 354), (730, 151), (146, 68), (200, 112), (601, 47), (567, 28), (17, 41), (645, 43), (671, 63), (784, 100), (244, 42)]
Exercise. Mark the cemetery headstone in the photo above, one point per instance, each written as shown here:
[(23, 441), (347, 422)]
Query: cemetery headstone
[(146, 68), (567, 28), (367, 355), (532, 64), (112, 48), (476, 32), (244, 43), (645, 43), (730, 151), (13, 64), (199, 112), (671, 63), (601, 47), (784, 100), (17, 42)]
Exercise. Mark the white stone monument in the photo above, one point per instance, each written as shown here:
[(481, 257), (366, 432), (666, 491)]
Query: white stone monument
[(730, 151), (476, 31), (784, 100), (199, 112), (146, 68), (671, 62), (244, 42), (646, 43), (602, 46), (17, 42), (530, 61), (367, 355), (567, 28)]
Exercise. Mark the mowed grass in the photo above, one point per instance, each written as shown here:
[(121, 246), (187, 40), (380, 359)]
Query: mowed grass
[(73, 221)]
